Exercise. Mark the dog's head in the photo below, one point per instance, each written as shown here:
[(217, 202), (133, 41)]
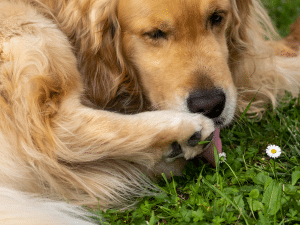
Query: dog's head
[(175, 52)]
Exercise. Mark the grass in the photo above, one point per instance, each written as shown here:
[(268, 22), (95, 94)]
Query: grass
[(249, 188), (283, 13)]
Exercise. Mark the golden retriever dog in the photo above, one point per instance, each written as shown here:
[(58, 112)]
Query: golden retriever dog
[(94, 94)]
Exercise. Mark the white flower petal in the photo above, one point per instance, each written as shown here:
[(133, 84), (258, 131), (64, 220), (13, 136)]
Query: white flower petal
[(275, 153), (222, 154)]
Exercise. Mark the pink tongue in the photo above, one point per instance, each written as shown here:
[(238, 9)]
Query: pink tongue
[(208, 153), (217, 140)]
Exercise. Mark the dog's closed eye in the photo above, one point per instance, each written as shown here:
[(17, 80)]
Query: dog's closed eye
[(216, 19), (156, 34)]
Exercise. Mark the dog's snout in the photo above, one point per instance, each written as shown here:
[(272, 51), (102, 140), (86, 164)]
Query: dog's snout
[(209, 102)]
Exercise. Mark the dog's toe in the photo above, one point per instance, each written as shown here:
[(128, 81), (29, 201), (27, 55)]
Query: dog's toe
[(175, 152), (195, 139)]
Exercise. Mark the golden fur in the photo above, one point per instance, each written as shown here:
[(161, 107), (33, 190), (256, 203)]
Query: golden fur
[(69, 67)]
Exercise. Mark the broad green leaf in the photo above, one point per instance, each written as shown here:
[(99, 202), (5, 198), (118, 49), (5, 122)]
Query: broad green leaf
[(263, 220), (290, 189), (250, 202), (239, 201), (261, 178), (254, 193), (257, 205), (272, 197), (254, 204), (267, 183), (295, 177)]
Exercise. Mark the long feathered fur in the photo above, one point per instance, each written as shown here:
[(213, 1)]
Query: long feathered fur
[(50, 139), (256, 68)]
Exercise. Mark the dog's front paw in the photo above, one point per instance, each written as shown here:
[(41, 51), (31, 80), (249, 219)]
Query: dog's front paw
[(194, 128)]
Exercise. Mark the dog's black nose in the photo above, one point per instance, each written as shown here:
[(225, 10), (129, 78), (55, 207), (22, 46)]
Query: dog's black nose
[(209, 102)]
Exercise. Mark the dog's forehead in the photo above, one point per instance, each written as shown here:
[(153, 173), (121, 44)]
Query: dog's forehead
[(172, 13), (164, 8)]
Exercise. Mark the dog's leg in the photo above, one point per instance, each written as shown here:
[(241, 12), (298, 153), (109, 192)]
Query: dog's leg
[(98, 135), (103, 153)]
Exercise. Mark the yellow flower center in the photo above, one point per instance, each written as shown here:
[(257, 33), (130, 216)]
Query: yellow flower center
[(273, 151)]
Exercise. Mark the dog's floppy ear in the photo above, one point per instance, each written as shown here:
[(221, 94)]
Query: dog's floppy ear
[(243, 7), (241, 13), (106, 75), (249, 19)]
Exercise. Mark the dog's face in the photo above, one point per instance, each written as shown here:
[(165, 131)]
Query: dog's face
[(179, 51)]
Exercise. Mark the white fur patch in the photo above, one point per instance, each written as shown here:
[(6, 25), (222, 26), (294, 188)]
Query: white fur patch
[(17, 208)]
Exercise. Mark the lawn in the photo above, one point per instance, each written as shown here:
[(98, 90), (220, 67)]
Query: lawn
[(249, 187)]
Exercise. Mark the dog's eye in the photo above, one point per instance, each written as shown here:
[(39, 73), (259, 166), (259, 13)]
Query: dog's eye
[(216, 19), (157, 34)]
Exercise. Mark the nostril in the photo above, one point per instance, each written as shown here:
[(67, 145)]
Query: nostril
[(210, 102)]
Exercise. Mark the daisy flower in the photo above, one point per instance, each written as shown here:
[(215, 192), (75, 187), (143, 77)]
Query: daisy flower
[(222, 156), (273, 151)]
